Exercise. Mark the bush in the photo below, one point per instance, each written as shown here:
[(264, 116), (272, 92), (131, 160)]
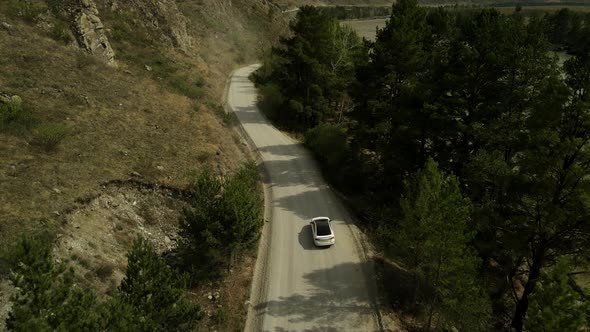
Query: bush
[(329, 143), (150, 298), (28, 10), (184, 86), (224, 221), (61, 32), (47, 298), (14, 114), (50, 135), (156, 292), (271, 100), (228, 118)]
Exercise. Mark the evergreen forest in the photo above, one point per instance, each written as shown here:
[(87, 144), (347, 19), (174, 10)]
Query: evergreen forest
[(461, 140)]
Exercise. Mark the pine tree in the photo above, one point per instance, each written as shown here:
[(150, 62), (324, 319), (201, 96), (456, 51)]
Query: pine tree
[(47, 297), (224, 220), (433, 236), (155, 291), (556, 306)]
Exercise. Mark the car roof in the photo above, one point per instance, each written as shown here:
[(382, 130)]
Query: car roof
[(320, 218), (323, 227)]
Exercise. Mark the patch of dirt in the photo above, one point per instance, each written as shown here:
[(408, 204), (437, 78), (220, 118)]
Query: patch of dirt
[(98, 232), (96, 238)]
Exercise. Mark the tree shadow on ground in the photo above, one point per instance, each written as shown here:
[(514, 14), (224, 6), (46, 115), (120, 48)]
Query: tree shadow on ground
[(396, 291), (249, 115), (289, 172), (334, 299)]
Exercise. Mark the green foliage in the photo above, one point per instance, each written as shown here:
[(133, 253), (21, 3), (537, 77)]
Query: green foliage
[(270, 100), (313, 68), (61, 32), (47, 298), (155, 292), (433, 238), (184, 85), (15, 115), (28, 10), (224, 220), (150, 297), (556, 306), (48, 136), (228, 118), (329, 144), (483, 94)]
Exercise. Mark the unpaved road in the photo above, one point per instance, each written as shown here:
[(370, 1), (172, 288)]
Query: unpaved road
[(303, 288)]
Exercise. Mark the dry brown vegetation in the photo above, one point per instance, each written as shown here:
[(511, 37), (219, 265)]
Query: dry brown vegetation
[(155, 120)]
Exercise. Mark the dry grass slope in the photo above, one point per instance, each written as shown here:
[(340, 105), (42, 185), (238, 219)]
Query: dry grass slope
[(154, 119)]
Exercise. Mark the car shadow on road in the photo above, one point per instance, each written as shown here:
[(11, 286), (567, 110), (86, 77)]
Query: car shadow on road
[(334, 300)]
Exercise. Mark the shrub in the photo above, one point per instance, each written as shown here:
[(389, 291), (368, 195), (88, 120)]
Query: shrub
[(47, 298), (228, 118), (61, 32), (156, 291), (221, 316), (28, 10), (271, 100), (50, 135), (329, 143), (14, 114), (183, 85), (224, 220), (150, 297)]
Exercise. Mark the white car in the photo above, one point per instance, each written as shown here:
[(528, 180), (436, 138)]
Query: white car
[(321, 229)]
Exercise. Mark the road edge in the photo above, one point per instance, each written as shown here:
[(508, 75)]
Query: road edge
[(260, 275)]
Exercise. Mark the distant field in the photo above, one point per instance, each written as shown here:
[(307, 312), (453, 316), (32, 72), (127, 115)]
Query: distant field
[(543, 9), (366, 28)]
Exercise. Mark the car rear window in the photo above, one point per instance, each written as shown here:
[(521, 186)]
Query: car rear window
[(323, 228)]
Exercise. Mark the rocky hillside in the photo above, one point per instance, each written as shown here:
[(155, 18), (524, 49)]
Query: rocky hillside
[(107, 110)]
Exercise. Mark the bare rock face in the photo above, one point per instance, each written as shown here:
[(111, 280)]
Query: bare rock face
[(90, 34), (162, 15)]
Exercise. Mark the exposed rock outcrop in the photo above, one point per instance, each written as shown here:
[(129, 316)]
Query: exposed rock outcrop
[(162, 15), (90, 34)]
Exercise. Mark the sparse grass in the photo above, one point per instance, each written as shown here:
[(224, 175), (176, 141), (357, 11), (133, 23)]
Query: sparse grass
[(83, 261), (228, 118), (132, 110), (221, 316), (85, 60), (49, 136)]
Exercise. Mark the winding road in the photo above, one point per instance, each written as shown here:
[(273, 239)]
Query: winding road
[(301, 287)]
